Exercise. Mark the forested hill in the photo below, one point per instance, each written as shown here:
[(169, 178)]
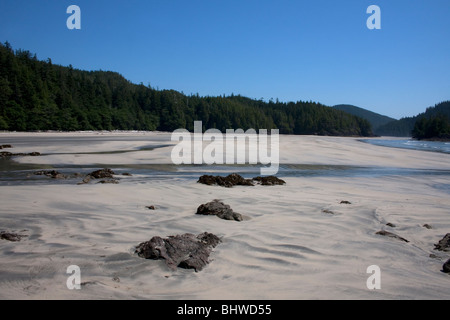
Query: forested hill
[(38, 95), (434, 124), (427, 129), (375, 119)]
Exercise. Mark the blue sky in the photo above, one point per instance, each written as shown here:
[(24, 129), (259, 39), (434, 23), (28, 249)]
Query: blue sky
[(287, 49)]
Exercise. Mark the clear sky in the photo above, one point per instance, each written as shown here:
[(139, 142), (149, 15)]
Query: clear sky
[(292, 50)]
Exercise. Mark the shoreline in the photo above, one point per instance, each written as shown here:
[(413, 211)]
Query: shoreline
[(433, 139)]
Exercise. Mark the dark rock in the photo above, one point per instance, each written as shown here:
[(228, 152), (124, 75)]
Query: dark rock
[(6, 154), (219, 209), (229, 181), (86, 179), (151, 207), (184, 251), (210, 180), (446, 267), (391, 225), (426, 225), (391, 235), (111, 181), (50, 173), (235, 179), (269, 181), (444, 244), (207, 179), (59, 176), (127, 174), (345, 202), (5, 146), (102, 173), (327, 211), (11, 236)]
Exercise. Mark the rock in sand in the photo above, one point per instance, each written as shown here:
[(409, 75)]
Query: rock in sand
[(7, 154), (101, 174), (391, 235), (220, 209), (269, 181), (50, 173), (446, 266), (229, 181), (14, 237), (444, 244), (186, 251), (235, 179)]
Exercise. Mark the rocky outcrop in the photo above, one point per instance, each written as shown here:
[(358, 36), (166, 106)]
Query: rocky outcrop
[(443, 244), (50, 173), (269, 181), (446, 267), (220, 209), (107, 176), (391, 235), (14, 237), (186, 251), (229, 181), (102, 174), (7, 154), (235, 179)]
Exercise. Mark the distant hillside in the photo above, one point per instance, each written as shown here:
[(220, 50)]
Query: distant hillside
[(434, 124), (375, 119), (38, 95), (405, 126), (397, 128), (442, 108)]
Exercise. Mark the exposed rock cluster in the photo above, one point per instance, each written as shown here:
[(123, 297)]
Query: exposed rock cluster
[(235, 179), (186, 251)]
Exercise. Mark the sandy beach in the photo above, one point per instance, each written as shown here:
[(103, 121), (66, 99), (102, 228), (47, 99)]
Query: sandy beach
[(299, 241)]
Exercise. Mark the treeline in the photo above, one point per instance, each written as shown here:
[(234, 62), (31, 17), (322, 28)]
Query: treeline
[(430, 124), (397, 128), (38, 95), (434, 124)]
